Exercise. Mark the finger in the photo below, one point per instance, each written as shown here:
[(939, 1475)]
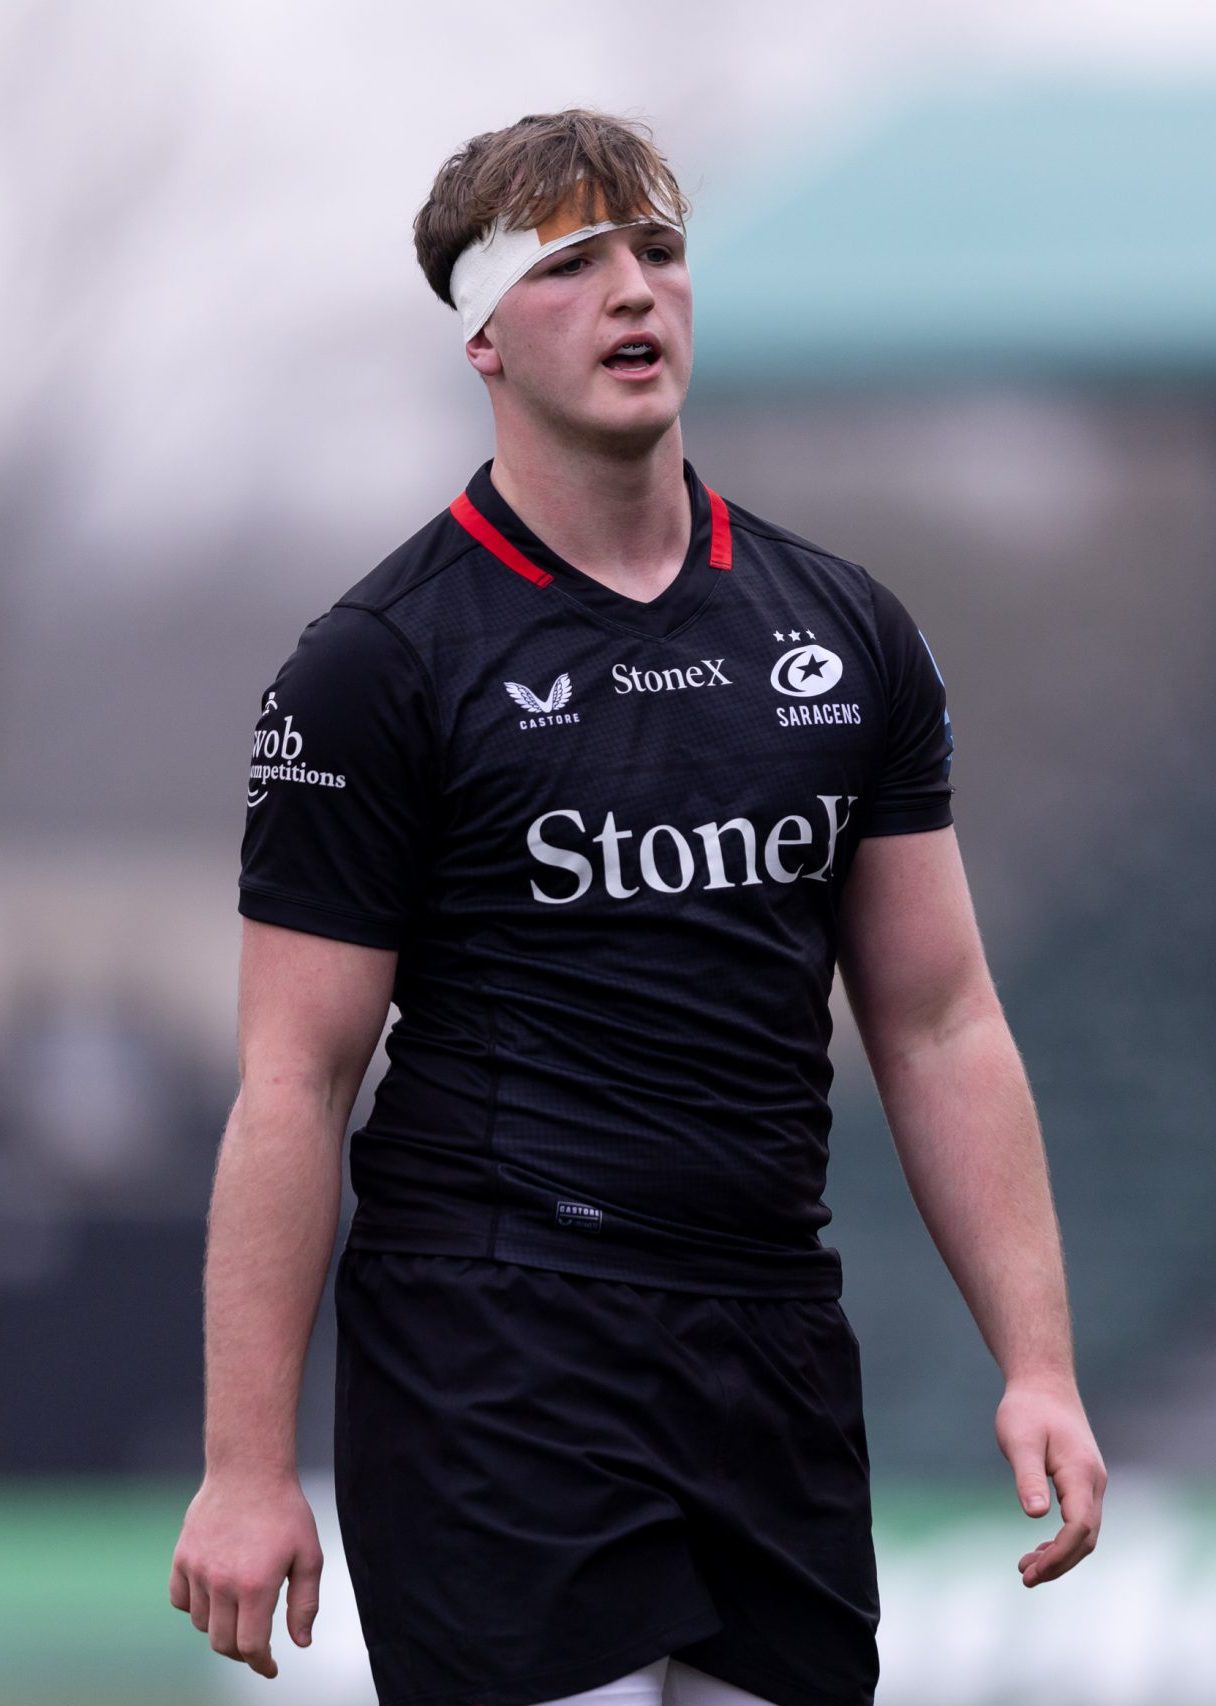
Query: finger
[(1080, 1506), (1026, 1459), (200, 1606), (255, 1615), (221, 1625), (1070, 1545), (1033, 1563), (1074, 1542), (1077, 1491), (303, 1596), (179, 1588)]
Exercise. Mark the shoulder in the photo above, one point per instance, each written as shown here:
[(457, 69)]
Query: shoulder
[(380, 617), (851, 590), (889, 614), (418, 563), (828, 566)]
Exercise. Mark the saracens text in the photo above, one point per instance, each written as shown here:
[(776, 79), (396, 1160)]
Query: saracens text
[(796, 716), (722, 855)]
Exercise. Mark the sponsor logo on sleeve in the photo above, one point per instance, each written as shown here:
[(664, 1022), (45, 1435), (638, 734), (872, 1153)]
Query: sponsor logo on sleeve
[(278, 754)]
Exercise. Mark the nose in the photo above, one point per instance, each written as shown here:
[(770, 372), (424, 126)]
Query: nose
[(630, 289)]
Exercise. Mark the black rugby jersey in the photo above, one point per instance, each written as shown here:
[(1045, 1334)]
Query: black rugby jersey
[(608, 839)]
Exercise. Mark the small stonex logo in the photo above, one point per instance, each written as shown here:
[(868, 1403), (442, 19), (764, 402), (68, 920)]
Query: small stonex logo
[(580, 1214), (543, 711)]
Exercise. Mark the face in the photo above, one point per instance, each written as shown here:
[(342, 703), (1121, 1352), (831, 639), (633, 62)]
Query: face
[(548, 351)]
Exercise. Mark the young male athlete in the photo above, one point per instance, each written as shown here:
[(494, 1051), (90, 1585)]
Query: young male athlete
[(596, 778)]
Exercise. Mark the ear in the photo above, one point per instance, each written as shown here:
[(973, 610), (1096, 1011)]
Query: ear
[(482, 354)]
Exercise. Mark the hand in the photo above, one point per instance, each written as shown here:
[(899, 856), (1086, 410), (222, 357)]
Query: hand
[(240, 1537), (1042, 1430)]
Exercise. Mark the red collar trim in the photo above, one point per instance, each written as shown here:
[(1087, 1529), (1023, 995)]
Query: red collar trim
[(485, 533), (719, 538)]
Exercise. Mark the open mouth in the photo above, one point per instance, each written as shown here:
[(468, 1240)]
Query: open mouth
[(633, 356)]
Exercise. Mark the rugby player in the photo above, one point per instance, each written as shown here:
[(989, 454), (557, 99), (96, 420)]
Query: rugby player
[(596, 779)]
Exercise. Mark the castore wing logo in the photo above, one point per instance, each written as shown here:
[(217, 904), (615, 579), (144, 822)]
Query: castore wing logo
[(524, 697)]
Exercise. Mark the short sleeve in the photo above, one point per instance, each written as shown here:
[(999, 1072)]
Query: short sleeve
[(342, 784), (913, 788)]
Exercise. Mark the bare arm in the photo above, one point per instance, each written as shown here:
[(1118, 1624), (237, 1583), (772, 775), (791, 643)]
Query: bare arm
[(310, 1013), (964, 1126)]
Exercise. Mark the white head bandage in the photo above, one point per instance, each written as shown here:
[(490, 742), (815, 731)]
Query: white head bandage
[(486, 270)]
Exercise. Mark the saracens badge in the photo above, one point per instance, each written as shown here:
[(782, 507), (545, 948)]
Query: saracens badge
[(806, 671)]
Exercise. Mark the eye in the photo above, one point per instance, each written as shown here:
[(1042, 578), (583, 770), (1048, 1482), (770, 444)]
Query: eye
[(658, 252), (569, 267)]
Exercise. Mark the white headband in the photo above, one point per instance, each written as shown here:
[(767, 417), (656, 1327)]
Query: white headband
[(486, 270)]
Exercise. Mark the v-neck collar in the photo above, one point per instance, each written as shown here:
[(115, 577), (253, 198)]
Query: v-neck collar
[(484, 513)]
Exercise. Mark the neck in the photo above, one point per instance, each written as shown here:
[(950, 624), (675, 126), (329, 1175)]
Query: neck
[(625, 520)]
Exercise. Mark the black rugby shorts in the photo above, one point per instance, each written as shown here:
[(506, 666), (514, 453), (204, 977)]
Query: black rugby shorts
[(545, 1481)]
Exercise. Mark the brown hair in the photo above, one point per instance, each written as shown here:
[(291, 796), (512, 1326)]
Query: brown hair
[(609, 167)]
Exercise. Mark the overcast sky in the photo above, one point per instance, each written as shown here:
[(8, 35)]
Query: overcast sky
[(205, 207)]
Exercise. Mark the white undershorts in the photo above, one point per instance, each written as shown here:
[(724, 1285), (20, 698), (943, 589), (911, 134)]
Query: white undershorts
[(666, 1682)]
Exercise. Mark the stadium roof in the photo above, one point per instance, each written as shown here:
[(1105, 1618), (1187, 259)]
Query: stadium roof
[(1013, 230)]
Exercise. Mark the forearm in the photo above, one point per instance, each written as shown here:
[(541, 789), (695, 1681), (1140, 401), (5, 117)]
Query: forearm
[(271, 1230), (964, 1125)]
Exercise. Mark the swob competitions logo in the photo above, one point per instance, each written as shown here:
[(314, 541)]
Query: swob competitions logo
[(277, 752)]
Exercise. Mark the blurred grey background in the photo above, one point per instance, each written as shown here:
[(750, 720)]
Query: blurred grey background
[(955, 276)]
